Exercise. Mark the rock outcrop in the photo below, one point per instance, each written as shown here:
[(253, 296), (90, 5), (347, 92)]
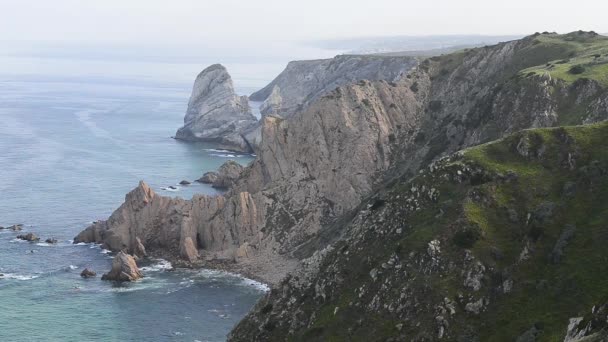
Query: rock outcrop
[(303, 82), (31, 237), (215, 113), (225, 177), (87, 273), (124, 268)]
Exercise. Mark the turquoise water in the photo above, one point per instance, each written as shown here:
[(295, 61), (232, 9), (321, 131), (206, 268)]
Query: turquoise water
[(73, 142)]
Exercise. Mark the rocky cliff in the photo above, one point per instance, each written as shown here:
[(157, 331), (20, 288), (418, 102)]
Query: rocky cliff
[(295, 203), (303, 82), (215, 113), (502, 242)]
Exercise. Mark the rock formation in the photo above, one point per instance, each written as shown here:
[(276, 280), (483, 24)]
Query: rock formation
[(87, 273), (215, 113), (124, 268), (315, 167), (225, 176), (31, 237), (303, 82)]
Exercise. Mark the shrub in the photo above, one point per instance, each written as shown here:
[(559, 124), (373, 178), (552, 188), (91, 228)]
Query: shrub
[(467, 237), (577, 70)]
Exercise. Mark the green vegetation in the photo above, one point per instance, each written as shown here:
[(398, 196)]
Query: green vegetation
[(582, 55)]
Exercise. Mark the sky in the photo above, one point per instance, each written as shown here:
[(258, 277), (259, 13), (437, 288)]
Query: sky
[(183, 22)]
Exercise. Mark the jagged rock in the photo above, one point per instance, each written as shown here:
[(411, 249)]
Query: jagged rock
[(51, 241), (303, 82), (208, 177), (227, 174), (189, 250), (124, 268), (184, 182), (139, 249), (31, 237), (215, 113), (87, 273)]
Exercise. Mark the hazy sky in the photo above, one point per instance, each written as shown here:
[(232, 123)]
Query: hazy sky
[(197, 21)]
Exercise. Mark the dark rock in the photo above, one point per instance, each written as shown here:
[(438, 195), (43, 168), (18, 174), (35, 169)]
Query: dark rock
[(31, 237), (172, 187), (513, 217), (544, 212), (208, 178), (87, 273), (184, 182), (558, 250), (530, 335), (124, 268), (15, 227), (569, 189), (51, 240)]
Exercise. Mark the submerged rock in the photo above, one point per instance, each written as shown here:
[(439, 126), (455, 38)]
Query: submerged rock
[(51, 241), (15, 227), (87, 273), (124, 268), (31, 237), (184, 182), (215, 113)]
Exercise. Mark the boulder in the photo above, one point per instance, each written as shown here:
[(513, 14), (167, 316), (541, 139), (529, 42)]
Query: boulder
[(31, 237), (208, 178), (228, 174), (124, 268), (216, 113), (87, 273), (51, 241)]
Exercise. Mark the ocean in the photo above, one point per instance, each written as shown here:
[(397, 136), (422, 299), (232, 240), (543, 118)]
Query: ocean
[(75, 137)]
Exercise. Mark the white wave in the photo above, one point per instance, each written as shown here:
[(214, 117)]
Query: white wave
[(80, 244), (44, 244), (217, 274), (223, 155), (72, 267), (18, 276), (105, 251), (15, 240), (161, 265), (217, 151)]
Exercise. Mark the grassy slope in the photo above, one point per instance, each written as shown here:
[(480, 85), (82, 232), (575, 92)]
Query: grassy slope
[(579, 49)]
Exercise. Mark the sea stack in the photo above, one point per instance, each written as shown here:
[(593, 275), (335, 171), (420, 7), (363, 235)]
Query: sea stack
[(216, 113), (124, 268)]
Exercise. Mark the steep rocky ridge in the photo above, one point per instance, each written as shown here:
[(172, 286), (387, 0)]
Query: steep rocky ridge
[(303, 82), (501, 242), (215, 113), (315, 167)]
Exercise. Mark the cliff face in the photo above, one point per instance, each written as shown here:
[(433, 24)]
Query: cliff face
[(318, 165), (501, 242), (215, 113), (303, 82)]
